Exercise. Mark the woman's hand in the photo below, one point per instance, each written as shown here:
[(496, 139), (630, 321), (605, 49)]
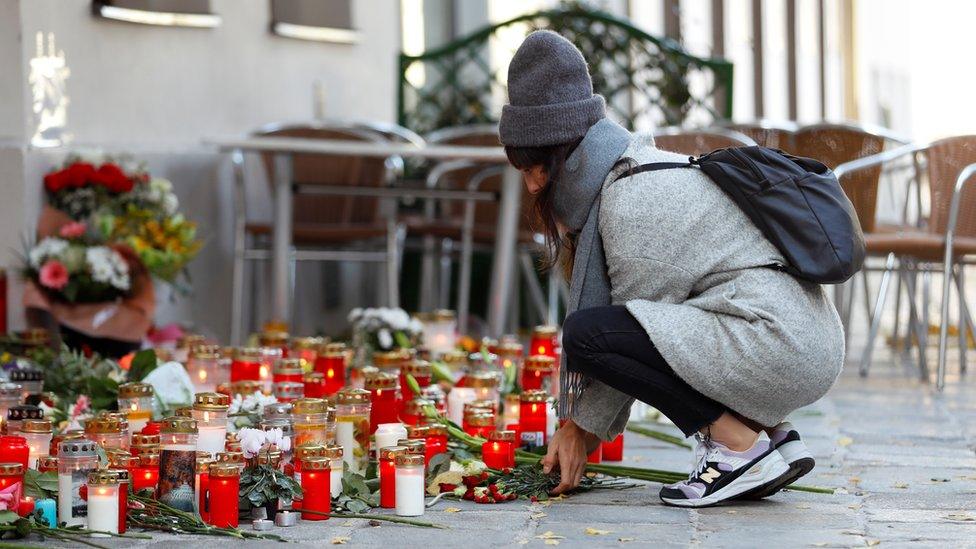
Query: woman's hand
[(568, 449)]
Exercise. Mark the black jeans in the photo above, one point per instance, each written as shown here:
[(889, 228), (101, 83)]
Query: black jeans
[(608, 344)]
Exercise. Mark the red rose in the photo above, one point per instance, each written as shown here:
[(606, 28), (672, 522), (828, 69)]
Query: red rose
[(113, 178), (55, 181), (79, 174)]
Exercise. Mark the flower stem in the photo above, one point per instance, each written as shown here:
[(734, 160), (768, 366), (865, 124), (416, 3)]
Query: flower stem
[(384, 518), (663, 437)]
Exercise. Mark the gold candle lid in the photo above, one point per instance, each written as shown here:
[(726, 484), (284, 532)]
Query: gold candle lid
[(188, 341), (479, 405), (391, 452), (388, 359), (273, 338), (502, 436), (314, 378), (149, 459), (47, 462), (417, 431), (509, 349), (351, 395), (543, 363), (121, 460), (103, 477), (481, 380), (223, 470), (546, 330), (534, 395), (415, 406), (413, 445), (35, 336), (309, 450), (230, 457), (417, 368), (139, 439), (381, 380), (333, 452), (135, 390), (205, 352), (11, 468), (185, 411), (105, 425), (246, 387), (173, 425), (410, 460), (36, 426), (316, 463), (481, 419), (455, 358), (436, 430), (211, 401), (288, 366), (233, 446), (306, 342), (203, 464), (309, 406), (247, 354)]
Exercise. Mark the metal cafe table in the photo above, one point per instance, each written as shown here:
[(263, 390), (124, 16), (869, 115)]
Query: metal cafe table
[(282, 148)]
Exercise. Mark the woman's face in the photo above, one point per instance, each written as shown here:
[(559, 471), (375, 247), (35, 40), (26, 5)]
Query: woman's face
[(535, 179)]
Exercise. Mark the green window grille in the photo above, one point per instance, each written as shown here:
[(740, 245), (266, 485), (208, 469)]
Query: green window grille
[(647, 81)]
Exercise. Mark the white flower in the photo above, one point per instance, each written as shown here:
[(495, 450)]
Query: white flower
[(107, 266), (277, 437), (171, 384), (47, 247), (251, 441), (385, 339)]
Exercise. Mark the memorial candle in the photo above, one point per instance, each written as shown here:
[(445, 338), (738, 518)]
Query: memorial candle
[(409, 485), (288, 369), (31, 380), (485, 385), (12, 482), (269, 357), (17, 414), (145, 473), (455, 402), (316, 485), (544, 339), (439, 330), (352, 427), (288, 391), (387, 434), (331, 363), (176, 463), (274, 339), (48, 509), (103, 502), (246, 365), (338, 466), (223, 487), (210, 412), (509, 355), (302, 453), (11, 394), (47, 464), (123, 475), (537, 373), (532, 418), (383, 398), (305, 350), (413, 411), (421, 372), (201, 484), (436, 441), (76, 458), (314, 385), (480, 423), (205, 369), (14, 449), (499, 451), (387, 474), (314, 421), (614, 450)]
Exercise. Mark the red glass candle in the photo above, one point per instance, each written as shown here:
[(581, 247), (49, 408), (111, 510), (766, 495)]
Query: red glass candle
[(146, 473), (246, 365), (614, 450), (223, 487), (382, 387), (288, 369), (532, 417), (315, 386), (47, 464), (332, 365), (413, 411), (151, 428), (316, 485), (537, 372), (421, 372), (436, 440), (387, 473), (596, 455), (26, 507), (12, 480), (544, 341), (499, 451), (480, 423), (123, 498), (201, 486), (14, 449)]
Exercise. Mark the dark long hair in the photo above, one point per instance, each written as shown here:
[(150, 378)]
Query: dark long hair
[(552, 159)]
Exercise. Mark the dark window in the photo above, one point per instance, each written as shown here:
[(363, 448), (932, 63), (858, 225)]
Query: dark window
[(181, 13), (323, 20)]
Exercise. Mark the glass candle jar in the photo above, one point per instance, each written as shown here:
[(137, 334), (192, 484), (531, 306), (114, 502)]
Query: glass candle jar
[(17, 414), (204, 368), (11, 394), (387, 474), (312, 421), (485, 385), (510, 410), (331, 363), (210, 413), (302, 453), (314, 385), (409, 485), (509, 354), (533, 418), (14, 449), (439, 331), (457, 362), (288, 369), (185, 344), (389, 361), (103, 502), (136, 401), (383, 398), (38, 434), (352, 427), (456, 400), (274, 339), (108, 432), (223, 495), (12, 482), (31, 380), (123, 475), (387, 434), (544, 341), (277, 411), (614, 450), (246, 388), (305, 350), (316, 485), (498, 452), (480, 423), (436, 441), (145, 473), (177, 460), (537, 373), (246, 365), (47, 464), (76, 458), (269, 356), (334, 453), (421, 372), (414, 411), (288, 391), (437, 397), (201, 480), (141, 443)]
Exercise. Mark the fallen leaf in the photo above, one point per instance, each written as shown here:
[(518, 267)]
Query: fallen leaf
[(854, 480), (856, 506), (803, 506), (549, 534), (963, 517), (624, 540), (731, 511), (872, 542), (852, 533), (538, 515), (452, 510), (845, 441), (348, 523), (552, 542), (819, 544), (596, 532), (339, 540), (901, 485)]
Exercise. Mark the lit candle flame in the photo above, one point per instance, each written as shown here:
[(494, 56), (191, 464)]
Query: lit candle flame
[(264, 372), (202, 374), (330, 373)]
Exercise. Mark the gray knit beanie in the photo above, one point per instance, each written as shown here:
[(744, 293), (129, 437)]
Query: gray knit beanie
[(550, 94)]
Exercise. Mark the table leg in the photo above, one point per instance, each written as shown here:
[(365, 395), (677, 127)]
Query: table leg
[(506, 236), (281, 239)]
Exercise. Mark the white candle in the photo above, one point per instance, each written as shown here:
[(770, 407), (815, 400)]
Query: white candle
[(67, 493), (103, 510), (335, 479), (387, 434), (346, 438), (455, 402), (409, 491), (212, 438)]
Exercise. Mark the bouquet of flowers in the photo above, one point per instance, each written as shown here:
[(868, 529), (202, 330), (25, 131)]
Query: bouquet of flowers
[(70, 269), (164, 244), (82, 187), (384, 328)]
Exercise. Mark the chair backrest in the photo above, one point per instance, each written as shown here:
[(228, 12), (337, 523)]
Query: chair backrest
[(318, 169), (834, 144), (697, 142), (946, 159), (774, 135)]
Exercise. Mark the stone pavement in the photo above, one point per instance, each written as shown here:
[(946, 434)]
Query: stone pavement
[(901, 456)]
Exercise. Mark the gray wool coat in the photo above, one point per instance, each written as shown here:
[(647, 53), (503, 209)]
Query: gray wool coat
[(688, 264)]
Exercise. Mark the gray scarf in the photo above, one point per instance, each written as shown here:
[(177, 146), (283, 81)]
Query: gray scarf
[(577, 206)]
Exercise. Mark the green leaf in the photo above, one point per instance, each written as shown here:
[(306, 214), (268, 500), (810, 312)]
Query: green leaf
[(40, 485), (8, 517), (144, 362), (357, 506), (440, 463), (354, 484)]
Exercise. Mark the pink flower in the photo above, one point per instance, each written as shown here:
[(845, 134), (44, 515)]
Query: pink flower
[(72, 230), (54, 275), (80, 406)]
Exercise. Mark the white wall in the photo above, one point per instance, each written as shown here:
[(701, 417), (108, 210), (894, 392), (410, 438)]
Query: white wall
[(158, 91)]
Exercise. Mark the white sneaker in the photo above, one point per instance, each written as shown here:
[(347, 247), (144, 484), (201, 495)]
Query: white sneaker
[(787, 442)]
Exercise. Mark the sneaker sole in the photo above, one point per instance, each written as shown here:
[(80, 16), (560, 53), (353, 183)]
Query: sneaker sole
[(801, 462), (768, 470)]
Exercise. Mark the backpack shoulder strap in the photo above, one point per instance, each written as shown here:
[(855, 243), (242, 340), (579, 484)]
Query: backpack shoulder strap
[(656, 166)]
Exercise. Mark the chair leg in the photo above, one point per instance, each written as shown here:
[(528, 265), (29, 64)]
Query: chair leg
[(444, 278), (876, 316), (897, 321), (911, 282), (532, 284), (915, 325), (944, 325), (428, 276), (392, 263), (964, 319)]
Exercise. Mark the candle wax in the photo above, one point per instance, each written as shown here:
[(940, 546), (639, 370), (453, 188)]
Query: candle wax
[(335, 479), (212, 438), (387, 474), (409, 491), (103, 511), (223, 501)]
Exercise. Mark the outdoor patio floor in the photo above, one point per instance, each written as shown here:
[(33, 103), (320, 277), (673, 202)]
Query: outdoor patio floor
[(901, 456)]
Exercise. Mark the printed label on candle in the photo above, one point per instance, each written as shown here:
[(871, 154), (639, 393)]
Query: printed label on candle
[(533, 439), (79, 506), (176, 478)]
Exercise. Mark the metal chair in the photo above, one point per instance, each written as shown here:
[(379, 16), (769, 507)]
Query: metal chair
[(946, 243), (330, 227), (698, 142), (775, 135)]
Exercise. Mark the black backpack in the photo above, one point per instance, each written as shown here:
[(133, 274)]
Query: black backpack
[(797, 203)]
